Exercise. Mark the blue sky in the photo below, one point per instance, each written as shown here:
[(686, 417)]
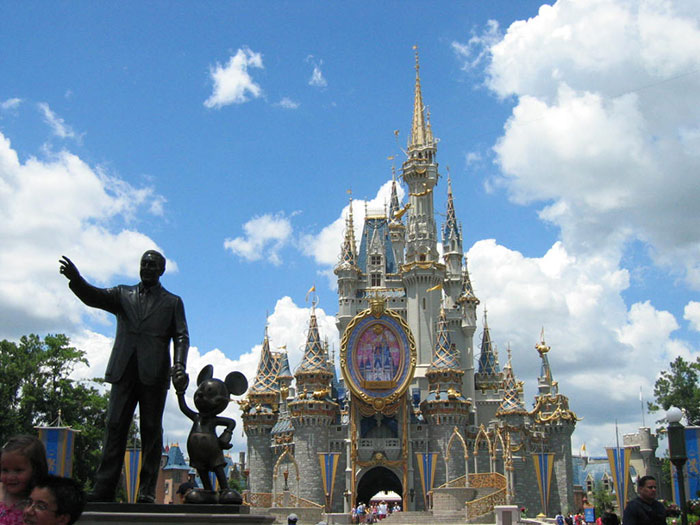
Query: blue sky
[(228, 136)]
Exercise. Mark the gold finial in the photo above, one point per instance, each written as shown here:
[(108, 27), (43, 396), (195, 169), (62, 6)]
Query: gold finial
[(415, 48), (542, 347)]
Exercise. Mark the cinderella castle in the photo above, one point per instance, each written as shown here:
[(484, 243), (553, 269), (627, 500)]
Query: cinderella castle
[(410, 413)]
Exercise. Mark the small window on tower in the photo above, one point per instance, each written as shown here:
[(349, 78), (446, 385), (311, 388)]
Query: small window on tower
[(376, 279), (375, 260)]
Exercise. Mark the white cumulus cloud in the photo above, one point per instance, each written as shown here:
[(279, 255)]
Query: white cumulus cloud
[(605, 130), (232, 82), (264, 237), (691, 314), (53, 206)]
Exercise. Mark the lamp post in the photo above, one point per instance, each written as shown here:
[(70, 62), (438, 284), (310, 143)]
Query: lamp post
[(676, 451)]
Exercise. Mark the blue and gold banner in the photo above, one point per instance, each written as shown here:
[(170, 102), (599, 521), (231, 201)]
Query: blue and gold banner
[(132, 471), (544, 462), (329, 464), (426, 468), (59, 449), (691, 469), (619, 459)]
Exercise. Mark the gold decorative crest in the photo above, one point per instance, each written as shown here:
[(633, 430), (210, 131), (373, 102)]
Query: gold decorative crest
[(378, 355)]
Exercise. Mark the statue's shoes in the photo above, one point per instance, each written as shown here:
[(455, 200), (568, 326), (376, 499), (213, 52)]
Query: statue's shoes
[(230, 497), (146, 498), (199, 496)]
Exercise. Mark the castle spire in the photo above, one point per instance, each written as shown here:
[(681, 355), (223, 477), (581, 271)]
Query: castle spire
[(488, 360), (394, 205), (512, 402), (314, 359), (467, 295), (418, 129), (545, 383), (445, 354), (451, 231), (266, 376), (348, 252)]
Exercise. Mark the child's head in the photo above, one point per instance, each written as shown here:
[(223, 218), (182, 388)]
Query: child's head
[(22, 464)]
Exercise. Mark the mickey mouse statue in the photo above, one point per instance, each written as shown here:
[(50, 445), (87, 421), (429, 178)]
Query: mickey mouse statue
[(203, 445)]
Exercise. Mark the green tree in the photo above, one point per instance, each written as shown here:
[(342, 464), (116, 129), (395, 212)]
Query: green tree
[(36, 385), (679, 387), (602, 499)]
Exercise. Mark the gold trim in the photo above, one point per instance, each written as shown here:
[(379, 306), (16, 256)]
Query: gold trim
[(378, 403)]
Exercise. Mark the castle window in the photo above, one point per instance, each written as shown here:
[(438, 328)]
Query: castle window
[(375, 279), (422, 257), (423, 303), (375, 260)]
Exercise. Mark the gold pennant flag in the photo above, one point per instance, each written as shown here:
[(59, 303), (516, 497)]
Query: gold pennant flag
[(438, 287), (312, 289)]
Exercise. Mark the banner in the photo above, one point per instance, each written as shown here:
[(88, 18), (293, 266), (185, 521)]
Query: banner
[(132, 471), (426, 469), (691, 469), (329, 464), (544, 462), (619, 459), (58, 442)]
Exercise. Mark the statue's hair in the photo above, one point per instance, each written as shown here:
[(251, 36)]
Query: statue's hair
[(157, 255)]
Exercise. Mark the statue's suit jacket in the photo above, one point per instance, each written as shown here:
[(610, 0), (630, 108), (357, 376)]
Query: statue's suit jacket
[(143, 332)]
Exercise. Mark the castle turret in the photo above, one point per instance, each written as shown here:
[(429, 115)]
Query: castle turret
[(552, 412), (397, 230), (312, 412), (488, 380), (452, 252), (348, 275), (259, 412), (445, 407), (422, 270)]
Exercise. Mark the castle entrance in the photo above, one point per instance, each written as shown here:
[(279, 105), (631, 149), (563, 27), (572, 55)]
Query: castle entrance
[(377, 479)]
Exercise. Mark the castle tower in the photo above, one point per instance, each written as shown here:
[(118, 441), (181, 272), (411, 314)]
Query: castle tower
[(488, 381), (348, 276), (282, 433), (452, 252), (312, 411), (259, 412), (422, 269), (552, 412), (445, 408), (397, 230), (460, 302)]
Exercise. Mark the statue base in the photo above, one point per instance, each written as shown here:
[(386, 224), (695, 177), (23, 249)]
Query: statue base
[(155, 514)]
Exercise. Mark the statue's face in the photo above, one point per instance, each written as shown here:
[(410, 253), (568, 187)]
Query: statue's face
[(151, 269)]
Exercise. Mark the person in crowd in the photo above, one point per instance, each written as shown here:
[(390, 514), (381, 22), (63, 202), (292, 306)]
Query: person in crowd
[(54, 501), (645, 509), (559, 518), (292, 519), (22, 466), (610, 518)]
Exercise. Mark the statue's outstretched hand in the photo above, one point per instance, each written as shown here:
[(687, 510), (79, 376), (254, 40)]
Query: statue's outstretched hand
[(68, 269)]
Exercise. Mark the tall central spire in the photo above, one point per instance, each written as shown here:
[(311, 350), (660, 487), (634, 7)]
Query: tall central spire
[(418, 130)]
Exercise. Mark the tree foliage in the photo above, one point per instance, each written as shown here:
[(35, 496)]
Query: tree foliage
[(679, 387), (36, 384), (602, 499)]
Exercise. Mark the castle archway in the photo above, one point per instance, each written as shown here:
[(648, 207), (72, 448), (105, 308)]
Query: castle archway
[(376, 480)]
